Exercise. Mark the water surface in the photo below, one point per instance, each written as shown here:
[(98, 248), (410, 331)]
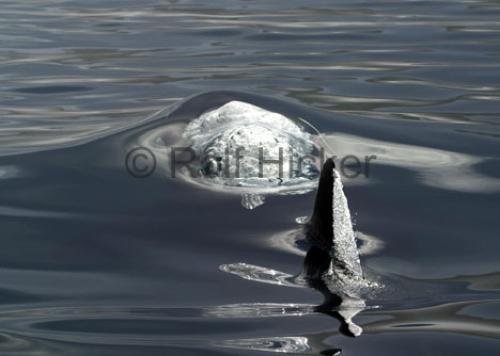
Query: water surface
[(95, 261)]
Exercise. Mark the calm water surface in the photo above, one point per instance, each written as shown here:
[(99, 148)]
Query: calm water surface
[(94, 261)]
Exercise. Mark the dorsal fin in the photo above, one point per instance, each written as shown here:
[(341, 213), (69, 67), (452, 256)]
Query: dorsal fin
[(320, 227)]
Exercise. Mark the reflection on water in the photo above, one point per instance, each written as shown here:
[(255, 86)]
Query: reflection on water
[(95, 256), (315, 275), (44, 328), (437, 168), (273, 344), (94, 261), (332, 265), (87, 67)]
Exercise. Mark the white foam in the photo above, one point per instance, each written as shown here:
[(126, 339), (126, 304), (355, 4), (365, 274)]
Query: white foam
[(220, 132)]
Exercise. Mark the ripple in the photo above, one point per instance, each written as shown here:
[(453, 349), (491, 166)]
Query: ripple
[(52, 89), (78, 73), (260, 274), (271, 344), (437, 168)]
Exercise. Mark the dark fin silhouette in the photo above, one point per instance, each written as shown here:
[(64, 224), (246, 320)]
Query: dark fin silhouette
[(319, 231)]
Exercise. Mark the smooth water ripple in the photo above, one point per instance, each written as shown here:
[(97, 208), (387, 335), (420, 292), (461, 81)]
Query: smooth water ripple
[(95, 261)]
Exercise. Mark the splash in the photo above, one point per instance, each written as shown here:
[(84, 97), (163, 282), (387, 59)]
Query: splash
[(240, 144)]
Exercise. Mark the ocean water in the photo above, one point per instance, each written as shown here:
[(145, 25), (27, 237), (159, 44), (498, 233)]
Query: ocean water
[(96, 261)]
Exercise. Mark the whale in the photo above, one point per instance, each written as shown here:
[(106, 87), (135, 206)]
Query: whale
[(330, 227), (213, 130), (331, 265), (239, 147)]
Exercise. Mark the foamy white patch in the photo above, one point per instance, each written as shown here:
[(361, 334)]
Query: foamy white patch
[(257, 132), (236, 144)]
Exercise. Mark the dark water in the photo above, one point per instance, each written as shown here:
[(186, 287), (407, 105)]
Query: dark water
[(95, 261)]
